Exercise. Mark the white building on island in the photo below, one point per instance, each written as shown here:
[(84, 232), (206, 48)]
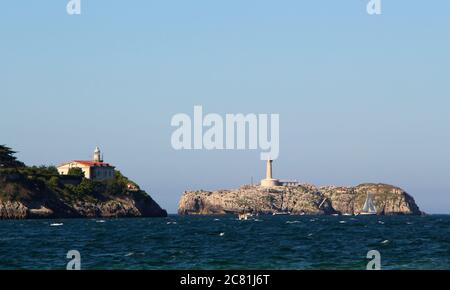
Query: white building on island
[(269, 181), (94, 169)]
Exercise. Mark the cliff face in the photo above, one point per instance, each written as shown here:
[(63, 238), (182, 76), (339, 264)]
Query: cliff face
[(23, 197), (303, 199)]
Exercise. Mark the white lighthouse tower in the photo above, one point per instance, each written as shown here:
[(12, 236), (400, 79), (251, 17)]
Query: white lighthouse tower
[(97, 155), (269, 181)]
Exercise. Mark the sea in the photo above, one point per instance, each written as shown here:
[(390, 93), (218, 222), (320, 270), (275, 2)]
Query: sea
[(224, 242)]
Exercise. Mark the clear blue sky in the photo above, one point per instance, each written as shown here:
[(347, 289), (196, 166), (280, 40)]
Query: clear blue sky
[(361, 98)]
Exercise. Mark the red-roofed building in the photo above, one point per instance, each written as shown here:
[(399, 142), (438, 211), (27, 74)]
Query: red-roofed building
[(94, 169)]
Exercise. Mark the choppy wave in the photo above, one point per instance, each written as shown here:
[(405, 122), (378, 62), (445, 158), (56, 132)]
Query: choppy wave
[(279, 242)]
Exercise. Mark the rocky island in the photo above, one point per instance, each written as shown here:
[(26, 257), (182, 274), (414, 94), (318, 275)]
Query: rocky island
[(274, 196), (298, 200), (42, 192)]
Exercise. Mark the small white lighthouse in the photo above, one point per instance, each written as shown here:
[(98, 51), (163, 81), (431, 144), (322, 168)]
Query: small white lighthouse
[(94, 169), (97, 155)]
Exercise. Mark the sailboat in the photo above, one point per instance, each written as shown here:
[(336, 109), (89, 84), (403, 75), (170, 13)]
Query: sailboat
[(369, 207)]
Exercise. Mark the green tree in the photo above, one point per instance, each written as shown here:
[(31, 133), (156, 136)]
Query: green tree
[(43, 170), (53, 182), (76, 171), (7, 158)]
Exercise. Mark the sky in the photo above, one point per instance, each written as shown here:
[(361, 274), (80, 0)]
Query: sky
[(361, 98)]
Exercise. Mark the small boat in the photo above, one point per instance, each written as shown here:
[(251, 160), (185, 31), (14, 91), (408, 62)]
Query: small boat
[(56, 224), (243, 216), (369, 207), (281, 213)]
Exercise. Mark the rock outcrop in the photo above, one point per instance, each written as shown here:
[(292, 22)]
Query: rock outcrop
[(30, 197), (301, 199)]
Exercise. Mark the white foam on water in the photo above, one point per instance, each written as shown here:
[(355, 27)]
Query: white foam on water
[(56, 224)]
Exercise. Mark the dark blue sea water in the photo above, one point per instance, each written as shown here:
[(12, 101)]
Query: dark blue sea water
[(270, 242)]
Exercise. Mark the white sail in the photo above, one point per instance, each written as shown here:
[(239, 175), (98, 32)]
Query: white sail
[(369, 206)]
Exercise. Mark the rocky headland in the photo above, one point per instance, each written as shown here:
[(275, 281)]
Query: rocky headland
[(29, 192), (298, 200), (30, 196)]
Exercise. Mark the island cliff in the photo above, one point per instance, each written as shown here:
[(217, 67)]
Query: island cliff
[(299, 199)]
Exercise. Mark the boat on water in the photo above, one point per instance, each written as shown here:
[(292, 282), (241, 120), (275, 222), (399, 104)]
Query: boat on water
[(244, 216), (369, 206), (281, 213), (56, 224)]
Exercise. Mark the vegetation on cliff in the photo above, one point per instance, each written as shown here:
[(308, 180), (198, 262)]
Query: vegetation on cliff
[(33, 192)]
